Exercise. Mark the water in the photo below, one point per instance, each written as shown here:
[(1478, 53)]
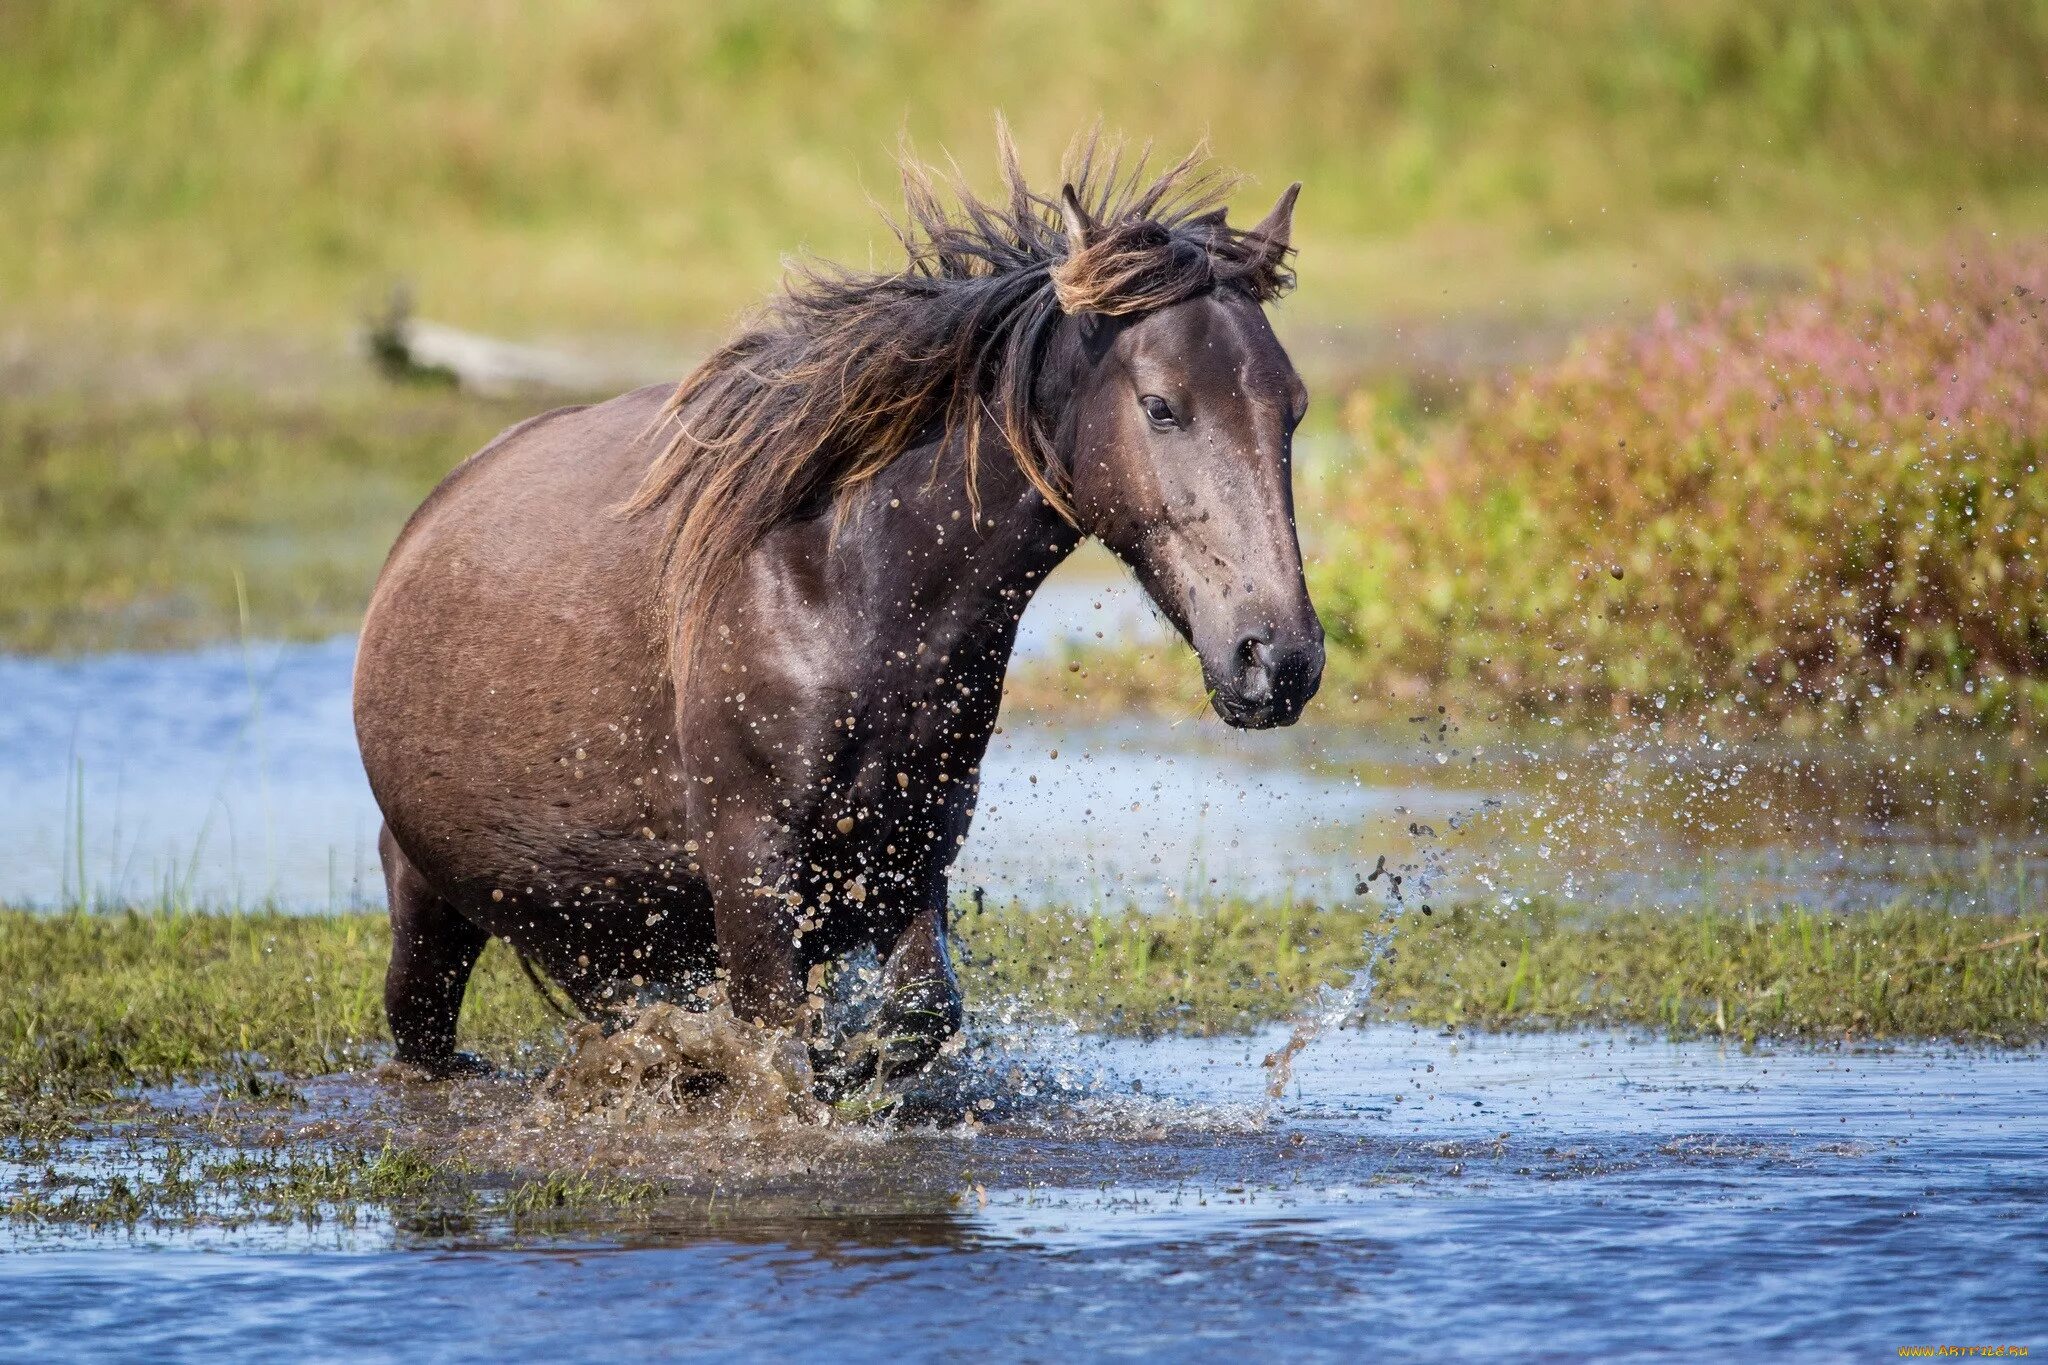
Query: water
[(229, 776), (1406, 1193), (1555, 1196)]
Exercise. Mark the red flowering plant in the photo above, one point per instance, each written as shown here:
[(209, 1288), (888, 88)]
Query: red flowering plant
[(1827, 504)]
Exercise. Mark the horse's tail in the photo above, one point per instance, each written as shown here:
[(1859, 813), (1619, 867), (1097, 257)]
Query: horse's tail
[(546, 993)]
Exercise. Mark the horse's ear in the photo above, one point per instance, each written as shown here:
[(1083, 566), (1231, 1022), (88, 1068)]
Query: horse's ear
[(1278, 226), (1214, 218), (1080, 230)]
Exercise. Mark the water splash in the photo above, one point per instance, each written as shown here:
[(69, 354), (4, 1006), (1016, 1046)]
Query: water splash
[(1333, 1006), (676, 1065)]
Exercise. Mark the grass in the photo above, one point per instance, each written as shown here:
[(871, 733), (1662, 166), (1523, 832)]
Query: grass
[(1894, 973), (106, 1011), (157, 523), (262, 165), (101, 1013), (91, 1003), (105, 1000)]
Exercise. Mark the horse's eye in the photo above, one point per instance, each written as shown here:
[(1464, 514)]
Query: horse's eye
[(1158, 410)]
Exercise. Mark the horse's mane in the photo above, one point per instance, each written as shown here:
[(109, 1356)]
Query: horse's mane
[(845, 370)]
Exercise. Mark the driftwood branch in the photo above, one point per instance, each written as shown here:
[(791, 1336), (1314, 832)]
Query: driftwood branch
[(413, 350)]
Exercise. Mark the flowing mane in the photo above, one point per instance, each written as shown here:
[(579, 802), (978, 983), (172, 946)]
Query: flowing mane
[(845, 370)]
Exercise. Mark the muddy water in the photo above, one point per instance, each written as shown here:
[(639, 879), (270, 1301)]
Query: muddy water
[(1552, 1196)]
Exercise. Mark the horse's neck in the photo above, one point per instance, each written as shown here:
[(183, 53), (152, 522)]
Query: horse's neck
[(946, 574)]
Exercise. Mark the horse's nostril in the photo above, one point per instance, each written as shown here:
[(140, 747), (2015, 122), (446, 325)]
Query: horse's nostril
[(1255, 665), (1274, 674)]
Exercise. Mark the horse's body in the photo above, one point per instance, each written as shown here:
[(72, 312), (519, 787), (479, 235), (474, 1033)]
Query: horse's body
[(637, 792)]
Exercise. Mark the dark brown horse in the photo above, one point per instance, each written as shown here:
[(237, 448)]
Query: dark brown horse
[(698, 682)]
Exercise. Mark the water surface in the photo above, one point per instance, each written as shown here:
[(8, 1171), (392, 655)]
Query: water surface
[(1410, 1194), (1555, 1196), (229, 776)]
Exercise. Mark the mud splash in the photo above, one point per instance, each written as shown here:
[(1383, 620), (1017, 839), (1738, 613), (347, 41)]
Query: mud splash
[(682, 1066), (700, 1100)]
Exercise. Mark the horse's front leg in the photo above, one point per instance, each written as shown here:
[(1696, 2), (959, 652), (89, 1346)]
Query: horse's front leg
[(760, 933), (921, 1006), (913, 1007)]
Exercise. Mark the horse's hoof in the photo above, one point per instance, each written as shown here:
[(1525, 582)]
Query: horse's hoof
[(834, 1078)]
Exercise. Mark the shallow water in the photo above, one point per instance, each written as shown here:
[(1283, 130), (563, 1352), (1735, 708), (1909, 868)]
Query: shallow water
[(229, 776), (1414, 1193)]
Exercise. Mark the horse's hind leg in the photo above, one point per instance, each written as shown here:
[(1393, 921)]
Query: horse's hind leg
[(433, 949)]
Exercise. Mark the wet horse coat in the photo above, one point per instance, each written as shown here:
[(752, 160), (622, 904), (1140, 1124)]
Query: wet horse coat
[(698, 682)]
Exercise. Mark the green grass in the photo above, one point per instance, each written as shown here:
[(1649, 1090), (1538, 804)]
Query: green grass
[(270, 165), (90, 1003), (1894, 973), (100, 1000), (99, 1013), (158, 523)]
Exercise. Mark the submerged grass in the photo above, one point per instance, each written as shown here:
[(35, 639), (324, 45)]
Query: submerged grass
[(174, 1183), (93, 1003), (229, 1171)]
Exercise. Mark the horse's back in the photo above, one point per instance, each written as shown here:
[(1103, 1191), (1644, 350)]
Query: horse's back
[(559, 473), (512, 629)]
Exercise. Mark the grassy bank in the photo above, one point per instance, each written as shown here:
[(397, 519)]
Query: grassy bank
[(578, 167), (169, 523), (1895, 973), (92, 1002), (252, 1007)]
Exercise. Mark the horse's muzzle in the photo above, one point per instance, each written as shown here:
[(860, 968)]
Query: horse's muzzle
[(1270, 678)]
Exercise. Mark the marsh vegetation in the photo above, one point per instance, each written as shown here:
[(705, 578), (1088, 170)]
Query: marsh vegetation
[(94, 1002)]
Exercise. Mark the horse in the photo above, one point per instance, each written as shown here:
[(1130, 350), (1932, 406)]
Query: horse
[(693, 686)]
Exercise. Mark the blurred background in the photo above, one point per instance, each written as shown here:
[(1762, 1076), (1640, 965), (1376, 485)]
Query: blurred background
[(1672, 494), (608, 168), (1583, 287)]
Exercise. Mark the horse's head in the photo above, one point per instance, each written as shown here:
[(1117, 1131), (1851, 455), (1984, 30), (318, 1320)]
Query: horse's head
[(1179, 432)]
